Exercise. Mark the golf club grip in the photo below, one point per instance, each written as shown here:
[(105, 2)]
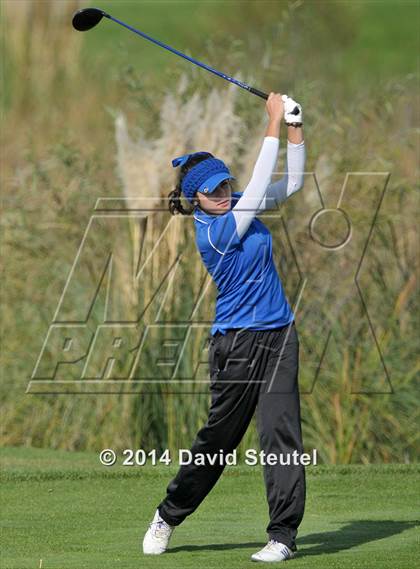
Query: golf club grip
[(258, 93)]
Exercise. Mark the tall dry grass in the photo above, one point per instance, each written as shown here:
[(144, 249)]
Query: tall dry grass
[(41, 43)]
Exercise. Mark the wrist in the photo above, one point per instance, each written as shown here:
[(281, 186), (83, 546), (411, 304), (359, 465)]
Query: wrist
[(273, 128), (295, 134)]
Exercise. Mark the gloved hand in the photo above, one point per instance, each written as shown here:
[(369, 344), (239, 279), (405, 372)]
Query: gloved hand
[(290, 107)]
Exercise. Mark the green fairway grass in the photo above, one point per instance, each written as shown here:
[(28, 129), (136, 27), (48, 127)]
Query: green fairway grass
[(70, 512)]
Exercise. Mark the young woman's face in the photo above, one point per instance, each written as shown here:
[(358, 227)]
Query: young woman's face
[(218, 202)]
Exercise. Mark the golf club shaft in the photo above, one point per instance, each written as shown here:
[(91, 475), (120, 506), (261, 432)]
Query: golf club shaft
[(203, 65)]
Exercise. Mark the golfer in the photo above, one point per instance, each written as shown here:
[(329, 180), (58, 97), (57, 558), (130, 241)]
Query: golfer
[(253, 344)]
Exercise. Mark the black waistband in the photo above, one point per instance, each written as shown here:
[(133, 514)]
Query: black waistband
[(229, 330)]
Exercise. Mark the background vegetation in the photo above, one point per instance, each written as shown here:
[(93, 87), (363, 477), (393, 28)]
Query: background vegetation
[(101, 114)]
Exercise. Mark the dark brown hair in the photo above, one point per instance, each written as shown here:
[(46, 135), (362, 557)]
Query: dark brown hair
[(175, 201)]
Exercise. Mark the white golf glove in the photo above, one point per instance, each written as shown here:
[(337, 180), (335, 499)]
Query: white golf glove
[(290, 106)]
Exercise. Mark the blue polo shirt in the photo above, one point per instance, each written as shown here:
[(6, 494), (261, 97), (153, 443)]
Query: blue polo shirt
[(250, 292)]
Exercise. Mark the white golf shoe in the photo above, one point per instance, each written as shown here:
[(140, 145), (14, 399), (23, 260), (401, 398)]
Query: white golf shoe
[(157, 536), (273, 551)]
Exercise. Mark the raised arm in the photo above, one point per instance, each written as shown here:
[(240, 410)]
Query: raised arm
[(250, 202), (292, 181)]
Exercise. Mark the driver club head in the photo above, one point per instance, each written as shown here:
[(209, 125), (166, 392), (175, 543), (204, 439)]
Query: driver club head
[(87, 18)]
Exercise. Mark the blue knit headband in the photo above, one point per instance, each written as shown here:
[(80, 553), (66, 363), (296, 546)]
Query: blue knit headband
[(203, 177)]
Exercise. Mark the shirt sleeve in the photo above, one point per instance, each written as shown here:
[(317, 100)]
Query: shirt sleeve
[(292, 181), (249, 204)]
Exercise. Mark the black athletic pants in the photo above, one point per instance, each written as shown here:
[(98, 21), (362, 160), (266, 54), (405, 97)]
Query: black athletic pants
[(249, 370)]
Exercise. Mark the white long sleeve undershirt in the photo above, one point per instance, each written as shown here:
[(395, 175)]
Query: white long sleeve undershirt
[(260, 194)]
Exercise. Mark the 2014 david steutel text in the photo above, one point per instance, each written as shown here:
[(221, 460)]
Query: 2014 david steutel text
[(251, 457)]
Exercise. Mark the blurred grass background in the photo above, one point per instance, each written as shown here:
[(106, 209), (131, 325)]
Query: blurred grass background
[(74, 106)]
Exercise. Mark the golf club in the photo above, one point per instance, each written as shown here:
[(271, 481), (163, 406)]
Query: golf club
[(88, 18)]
